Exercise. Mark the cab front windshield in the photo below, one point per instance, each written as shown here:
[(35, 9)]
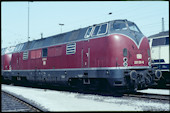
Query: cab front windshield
[(119, 25), (122, 25), (133, 26)]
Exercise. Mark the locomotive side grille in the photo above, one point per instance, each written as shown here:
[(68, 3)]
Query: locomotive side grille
[(71, 48), (25, 55)]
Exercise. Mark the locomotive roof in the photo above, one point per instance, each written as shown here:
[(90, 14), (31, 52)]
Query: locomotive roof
[(51, 40), (164, 33), (55, 39), (73, 35), (48, 41)]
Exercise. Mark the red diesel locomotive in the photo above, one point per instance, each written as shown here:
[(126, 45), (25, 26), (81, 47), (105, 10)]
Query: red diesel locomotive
[(114, 54)]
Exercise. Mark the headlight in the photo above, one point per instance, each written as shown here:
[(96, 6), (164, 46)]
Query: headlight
[(125, 64), (125, 59), (149, 61)]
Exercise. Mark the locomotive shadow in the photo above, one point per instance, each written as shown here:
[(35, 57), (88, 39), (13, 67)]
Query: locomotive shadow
[(112, 92)]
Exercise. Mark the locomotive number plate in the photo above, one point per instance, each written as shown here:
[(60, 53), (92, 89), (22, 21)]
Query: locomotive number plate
[(138, 62)]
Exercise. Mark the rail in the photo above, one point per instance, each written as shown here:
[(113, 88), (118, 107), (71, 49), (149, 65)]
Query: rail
[(23, 102), (149, 96)]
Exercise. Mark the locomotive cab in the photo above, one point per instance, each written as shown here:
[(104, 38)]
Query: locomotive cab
[(135, 58)]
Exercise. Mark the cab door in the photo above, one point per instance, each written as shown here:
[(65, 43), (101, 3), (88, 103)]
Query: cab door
[(18, 60), (85, 53)]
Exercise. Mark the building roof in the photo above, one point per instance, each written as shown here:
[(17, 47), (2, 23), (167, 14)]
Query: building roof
[(164, 33)]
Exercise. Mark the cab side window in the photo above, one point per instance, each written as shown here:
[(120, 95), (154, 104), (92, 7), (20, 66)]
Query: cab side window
[(103, 29), (88, 32), (96, 29)]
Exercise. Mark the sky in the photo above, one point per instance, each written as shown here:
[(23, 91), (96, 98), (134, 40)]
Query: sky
[(45, 17)]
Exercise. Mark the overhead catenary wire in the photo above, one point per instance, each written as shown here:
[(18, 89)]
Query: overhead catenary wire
[(87, 22)]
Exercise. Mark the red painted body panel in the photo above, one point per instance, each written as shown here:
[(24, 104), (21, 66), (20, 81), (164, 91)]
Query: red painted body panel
[(118, 42), (15, 61), (98, 52), (6, 63)]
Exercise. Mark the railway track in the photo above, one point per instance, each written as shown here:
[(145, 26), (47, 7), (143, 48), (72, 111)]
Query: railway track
[(149, 96), (11, 103)]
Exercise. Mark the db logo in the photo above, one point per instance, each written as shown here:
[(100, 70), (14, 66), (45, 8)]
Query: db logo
[(139, 56)]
